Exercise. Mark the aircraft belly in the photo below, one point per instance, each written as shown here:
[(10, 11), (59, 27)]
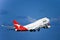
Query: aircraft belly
[(32, 27)]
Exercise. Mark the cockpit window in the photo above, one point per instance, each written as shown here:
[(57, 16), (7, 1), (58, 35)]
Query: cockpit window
[(44, 21)]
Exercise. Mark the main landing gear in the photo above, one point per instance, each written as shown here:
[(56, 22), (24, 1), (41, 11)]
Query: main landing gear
[(32, 30)]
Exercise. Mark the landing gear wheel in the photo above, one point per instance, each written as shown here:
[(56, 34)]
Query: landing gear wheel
[(32, 30), (38, 29), (45, 26)]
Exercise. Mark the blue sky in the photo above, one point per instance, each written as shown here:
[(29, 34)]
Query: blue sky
[(36, 9)]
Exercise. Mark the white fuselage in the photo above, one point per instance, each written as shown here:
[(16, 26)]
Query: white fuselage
[(37, 24)]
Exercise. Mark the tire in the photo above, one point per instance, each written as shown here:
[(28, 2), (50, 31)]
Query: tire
[(38, 29), (32, 30)]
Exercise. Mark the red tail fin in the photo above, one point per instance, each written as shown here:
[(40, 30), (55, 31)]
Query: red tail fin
[(15, 22), (17, 26)]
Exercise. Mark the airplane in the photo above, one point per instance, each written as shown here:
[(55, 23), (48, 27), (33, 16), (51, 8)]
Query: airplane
[(32, 27), (37, 25)]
